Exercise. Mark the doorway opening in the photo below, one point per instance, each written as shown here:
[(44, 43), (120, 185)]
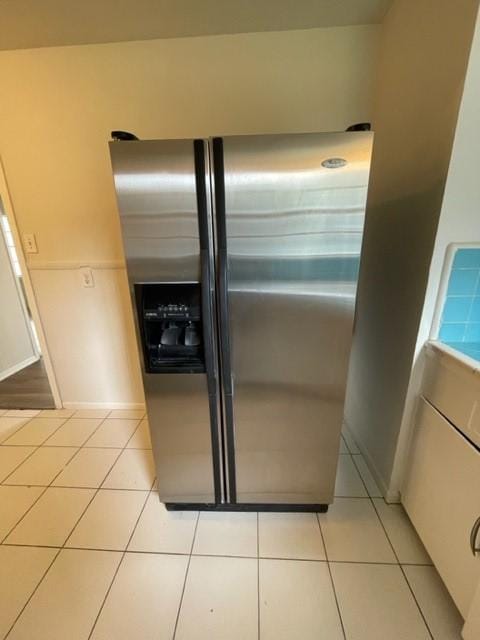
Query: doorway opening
[(24, 382)]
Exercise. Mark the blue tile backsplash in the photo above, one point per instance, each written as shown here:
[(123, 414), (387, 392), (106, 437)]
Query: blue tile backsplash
[(460, 321)]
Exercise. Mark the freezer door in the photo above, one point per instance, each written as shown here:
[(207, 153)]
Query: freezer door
[(156, 194), (162, 191), (294, 214)]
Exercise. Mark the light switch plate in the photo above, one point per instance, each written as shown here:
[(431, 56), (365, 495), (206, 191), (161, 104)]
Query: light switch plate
[(30, 243), (86, 277)]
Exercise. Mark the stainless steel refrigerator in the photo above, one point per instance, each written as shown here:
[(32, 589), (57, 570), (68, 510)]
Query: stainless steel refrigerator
[(242, 256)]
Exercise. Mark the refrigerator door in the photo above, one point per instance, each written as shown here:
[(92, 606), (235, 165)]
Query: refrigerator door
[(162, 191), (291, 230)]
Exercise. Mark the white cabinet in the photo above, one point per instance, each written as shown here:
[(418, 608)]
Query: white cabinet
[(453, 387), (471, 630), (442, 498)]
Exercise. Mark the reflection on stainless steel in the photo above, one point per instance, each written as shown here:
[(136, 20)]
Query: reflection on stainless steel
[(293, 238), (294, 234), (155, 185), (179, 422)]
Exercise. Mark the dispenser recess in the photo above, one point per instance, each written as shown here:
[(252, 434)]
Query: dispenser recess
[(170, 323)]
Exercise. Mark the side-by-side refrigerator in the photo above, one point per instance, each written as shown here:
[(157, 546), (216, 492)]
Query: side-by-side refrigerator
[(242, 256)]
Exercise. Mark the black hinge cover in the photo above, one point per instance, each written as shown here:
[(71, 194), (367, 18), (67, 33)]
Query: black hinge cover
[(123, 135), (360, 126)]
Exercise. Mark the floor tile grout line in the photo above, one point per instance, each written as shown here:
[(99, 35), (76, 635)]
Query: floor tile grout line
[(49, 486), (360, 455), (89, 436), (112, 410), (177, 618), (402, 571), (36, 447), (331, 577), (100, 487), (120, 563), (389, 540), (134, 432), (125, 551), (49, 435), (361, 477), (32, 594), (205, 555), (107, 593), (95, 493), (63, 546), (355, 498), (346, 443), (66, 465), (60, 549), (64, 486), (128, 541), (397, 561), (121, 450), (19, 465), (16, 430), (41, 494), (46, 487), (149, 493), (104, 477), (417, 603), (40, 446), (84, 445), (5, 412), (23, 516), (44, 443)]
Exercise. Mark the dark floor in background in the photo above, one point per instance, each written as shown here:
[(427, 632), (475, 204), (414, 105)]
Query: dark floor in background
[(27, 389)]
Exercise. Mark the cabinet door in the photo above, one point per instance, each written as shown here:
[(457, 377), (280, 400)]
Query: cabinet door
[(442, 498), (471, 630)]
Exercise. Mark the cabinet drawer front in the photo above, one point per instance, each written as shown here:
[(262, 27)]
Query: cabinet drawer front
[(453, 388), (442, 498)]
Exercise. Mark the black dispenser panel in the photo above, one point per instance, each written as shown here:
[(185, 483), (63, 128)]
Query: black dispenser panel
[(170, 320)]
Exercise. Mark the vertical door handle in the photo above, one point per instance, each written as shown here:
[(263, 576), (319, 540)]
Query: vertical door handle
[(473, 537), (222, 261), (204, 229)]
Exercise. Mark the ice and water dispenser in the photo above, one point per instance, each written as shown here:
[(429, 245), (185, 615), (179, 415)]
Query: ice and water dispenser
[(170, 323)]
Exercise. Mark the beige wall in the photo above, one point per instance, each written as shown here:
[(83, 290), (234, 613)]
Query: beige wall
[(459, 222), (423, 58), (57, 109)]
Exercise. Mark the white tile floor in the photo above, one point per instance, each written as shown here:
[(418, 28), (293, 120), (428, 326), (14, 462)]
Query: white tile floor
[(88, 552)]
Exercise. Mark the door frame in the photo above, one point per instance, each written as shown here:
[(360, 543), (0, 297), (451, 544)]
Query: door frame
[(29, 291)]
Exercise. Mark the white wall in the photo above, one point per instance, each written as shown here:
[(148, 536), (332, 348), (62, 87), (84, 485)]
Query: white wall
[(57, 109), (16, 345), (423, 58), (459, 222), (460, 215)]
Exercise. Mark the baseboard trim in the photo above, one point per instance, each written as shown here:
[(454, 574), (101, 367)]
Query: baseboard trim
[(132, 406), (6, 373), (393, 497), (390, 496)]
